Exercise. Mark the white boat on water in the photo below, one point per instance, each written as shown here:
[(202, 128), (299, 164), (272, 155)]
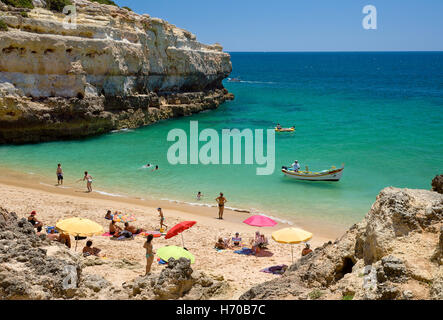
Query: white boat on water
[(332, 174)]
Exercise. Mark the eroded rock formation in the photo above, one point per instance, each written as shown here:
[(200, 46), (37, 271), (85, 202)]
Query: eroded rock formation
[(177, 280), (32, 267), (114, 69), (394, 253)]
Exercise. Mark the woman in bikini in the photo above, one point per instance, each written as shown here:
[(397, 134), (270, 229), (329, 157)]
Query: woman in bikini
[(88, 179), (149, 254), (221, 205)]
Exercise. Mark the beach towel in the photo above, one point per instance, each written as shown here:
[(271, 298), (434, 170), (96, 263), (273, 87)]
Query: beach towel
[(121, 238), (279, 270), (161, 261), (245, 251), (156, 234), (48, 230), (106, 234)]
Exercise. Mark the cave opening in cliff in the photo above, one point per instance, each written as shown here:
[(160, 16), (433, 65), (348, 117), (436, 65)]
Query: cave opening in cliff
[(345, 268)]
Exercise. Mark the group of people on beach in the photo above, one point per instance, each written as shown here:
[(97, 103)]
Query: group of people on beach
[(87, 177), (128, 231)]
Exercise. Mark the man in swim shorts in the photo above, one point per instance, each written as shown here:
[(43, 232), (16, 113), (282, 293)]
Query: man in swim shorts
[(59, 173), (221, 205)]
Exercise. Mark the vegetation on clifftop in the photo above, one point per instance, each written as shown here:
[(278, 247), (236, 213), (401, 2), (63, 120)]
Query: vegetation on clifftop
[(57, 5), (20, 3), (3, 26), (110, 2)]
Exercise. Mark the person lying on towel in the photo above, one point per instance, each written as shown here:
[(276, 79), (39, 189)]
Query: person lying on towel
[(132, 229)]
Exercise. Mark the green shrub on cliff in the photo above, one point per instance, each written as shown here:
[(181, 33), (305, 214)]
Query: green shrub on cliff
[(127, 8), (57, 5), (110, 2), (315, 294), (3, 26), (20, 3)]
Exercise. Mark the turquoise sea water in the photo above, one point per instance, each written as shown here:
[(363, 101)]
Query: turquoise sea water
[(379, 113)]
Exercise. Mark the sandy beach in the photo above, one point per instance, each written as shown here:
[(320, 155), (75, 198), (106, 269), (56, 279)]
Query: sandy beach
[(126, 259)]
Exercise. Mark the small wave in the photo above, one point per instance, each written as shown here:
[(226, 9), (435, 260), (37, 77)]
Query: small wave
[(122, 130), (257, 212), (109, 194)]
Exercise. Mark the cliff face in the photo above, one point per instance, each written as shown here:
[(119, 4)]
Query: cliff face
[(115, 69), (394, 253)]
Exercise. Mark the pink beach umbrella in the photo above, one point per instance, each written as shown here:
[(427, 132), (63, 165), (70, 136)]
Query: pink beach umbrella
[(260, 221)]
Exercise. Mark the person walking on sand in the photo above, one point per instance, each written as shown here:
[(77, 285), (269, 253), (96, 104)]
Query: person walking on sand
[(59, 173), (221, 205), (88, 179), (149, 253), (162, 218)]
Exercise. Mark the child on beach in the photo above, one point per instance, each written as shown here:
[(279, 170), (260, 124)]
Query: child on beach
[(199, 195), (162, 218), (59, 173)]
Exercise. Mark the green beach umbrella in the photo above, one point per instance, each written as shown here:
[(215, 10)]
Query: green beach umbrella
[(174, 252)]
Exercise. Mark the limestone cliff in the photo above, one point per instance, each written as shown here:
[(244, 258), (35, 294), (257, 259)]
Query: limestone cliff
[(114, 69), (394, 253)]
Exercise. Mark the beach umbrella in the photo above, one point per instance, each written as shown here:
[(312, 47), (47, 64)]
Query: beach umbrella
[(79, 227), (123, 218), (175, 252), (291, 236), (179, 228), (260, 221)]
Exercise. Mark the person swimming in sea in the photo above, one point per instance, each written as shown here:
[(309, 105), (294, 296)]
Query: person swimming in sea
[(147, 165), (155, 169)]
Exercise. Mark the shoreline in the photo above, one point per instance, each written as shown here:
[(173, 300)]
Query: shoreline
[(10, 177), (125, 260)]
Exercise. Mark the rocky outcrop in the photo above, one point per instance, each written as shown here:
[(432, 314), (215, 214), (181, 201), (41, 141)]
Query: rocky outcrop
[(394, 253), (114, 69), (28, 270), (32, 267), (176, 281), (437, 183)]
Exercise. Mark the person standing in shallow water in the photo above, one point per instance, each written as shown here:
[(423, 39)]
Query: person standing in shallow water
[(221, 205), (59, 173), (88, 179), (149, 253)]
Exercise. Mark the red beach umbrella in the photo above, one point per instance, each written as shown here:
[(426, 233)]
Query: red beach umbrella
[(260, 221), (179, 228)]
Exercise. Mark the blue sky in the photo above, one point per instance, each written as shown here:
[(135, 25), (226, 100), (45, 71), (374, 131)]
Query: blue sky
[(304, 25)]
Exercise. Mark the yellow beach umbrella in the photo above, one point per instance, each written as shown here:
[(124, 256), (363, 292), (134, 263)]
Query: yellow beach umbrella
[(79, 227), (291, 236)]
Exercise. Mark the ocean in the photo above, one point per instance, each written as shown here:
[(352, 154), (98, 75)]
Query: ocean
[(379, 113)]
